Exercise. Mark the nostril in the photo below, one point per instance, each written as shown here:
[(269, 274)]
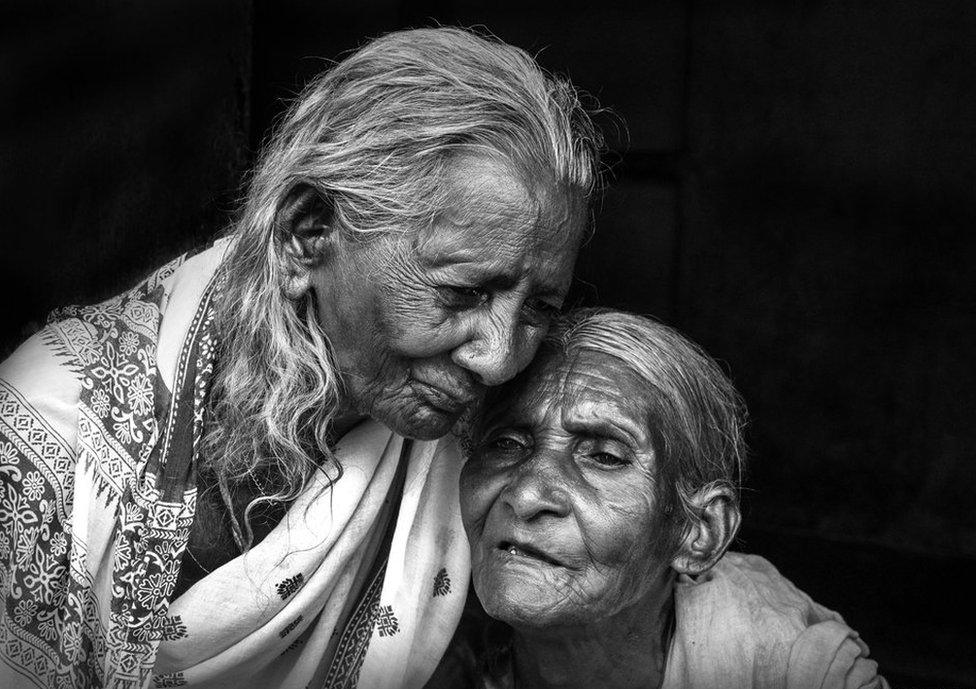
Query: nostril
[(489, 366), (500, 366)]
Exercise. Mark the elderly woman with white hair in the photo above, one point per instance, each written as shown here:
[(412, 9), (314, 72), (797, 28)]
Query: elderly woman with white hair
[(231, 475), (599, 497)]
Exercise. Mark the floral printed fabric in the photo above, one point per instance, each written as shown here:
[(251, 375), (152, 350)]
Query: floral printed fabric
[(100, 415), (90, 537)]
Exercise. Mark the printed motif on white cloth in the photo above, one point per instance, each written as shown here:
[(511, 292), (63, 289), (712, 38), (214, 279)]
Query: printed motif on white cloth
[(51, 628), (92, 530)]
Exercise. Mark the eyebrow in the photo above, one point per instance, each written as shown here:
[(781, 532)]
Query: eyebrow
[(458, 256), (601, 428), (482, 276)]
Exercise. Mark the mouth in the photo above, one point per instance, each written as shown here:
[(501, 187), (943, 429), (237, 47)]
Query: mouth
[(524, 550), (454, 402)]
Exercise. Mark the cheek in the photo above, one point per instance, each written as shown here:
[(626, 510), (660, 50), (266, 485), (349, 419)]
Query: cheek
[(420, 338), (621, 538), (477, 492), (612, 536), (415, 325)]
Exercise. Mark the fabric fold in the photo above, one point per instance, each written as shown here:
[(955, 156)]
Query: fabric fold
[(98, 445)]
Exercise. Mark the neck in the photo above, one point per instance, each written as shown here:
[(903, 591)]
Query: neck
[(625, 651)]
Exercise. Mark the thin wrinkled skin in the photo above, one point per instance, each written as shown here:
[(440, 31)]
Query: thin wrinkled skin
[(455, 307), (566, 465)]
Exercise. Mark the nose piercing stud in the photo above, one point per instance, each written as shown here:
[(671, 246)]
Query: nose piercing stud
[(512, 550)]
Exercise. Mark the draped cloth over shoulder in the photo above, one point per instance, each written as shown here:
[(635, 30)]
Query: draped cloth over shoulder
[(101, 414), (743, 625)]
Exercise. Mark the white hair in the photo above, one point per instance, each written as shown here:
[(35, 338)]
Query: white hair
[(373, 137)]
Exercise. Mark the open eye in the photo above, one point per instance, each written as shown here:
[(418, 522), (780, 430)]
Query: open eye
[(461, 297), (605, 453), (505, 443), (608, 460), (499, 450)]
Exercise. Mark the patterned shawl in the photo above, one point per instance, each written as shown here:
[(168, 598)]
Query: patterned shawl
[(101, 414)]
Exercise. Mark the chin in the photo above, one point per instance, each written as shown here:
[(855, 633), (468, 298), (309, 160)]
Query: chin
[(521, 604), (531, 612)]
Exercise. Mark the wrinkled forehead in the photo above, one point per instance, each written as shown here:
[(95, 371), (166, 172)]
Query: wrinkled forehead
[(475, 183), (499, 228), (540, 384), (581, 386)]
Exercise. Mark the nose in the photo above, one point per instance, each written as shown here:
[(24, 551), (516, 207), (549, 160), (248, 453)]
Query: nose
[(537, 490), (494, 351)]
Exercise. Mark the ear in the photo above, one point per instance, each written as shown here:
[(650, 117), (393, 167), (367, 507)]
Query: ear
[(304, 222), (711, 532)]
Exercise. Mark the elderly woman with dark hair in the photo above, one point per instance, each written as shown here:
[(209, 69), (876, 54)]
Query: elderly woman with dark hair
[(231, 475), (600, 496)]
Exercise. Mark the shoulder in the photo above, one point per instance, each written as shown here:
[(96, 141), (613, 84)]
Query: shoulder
[(183, 289), (744, 606), (40, 387), (90, 355), (39, 403), (748, 589), (745, 618)]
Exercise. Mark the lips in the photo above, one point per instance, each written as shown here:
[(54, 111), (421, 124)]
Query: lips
[(453, 401), (520, 549)]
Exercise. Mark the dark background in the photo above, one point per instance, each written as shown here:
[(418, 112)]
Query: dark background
[(794, 190)]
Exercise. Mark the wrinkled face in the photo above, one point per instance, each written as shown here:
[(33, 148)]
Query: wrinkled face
[(558, 496), (422, 321)]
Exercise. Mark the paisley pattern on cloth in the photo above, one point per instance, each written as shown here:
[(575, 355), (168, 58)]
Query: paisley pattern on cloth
[(100, 418)]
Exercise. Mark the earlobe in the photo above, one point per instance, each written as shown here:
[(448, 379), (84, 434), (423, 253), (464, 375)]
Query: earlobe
[(711, 532), (303, 225)]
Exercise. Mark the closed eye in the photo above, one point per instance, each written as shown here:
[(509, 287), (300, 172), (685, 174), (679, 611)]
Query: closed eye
[(506, 444), (540, 311), (462, 297)]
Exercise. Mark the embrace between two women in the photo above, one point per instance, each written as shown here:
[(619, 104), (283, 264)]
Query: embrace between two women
[(279, 461)]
